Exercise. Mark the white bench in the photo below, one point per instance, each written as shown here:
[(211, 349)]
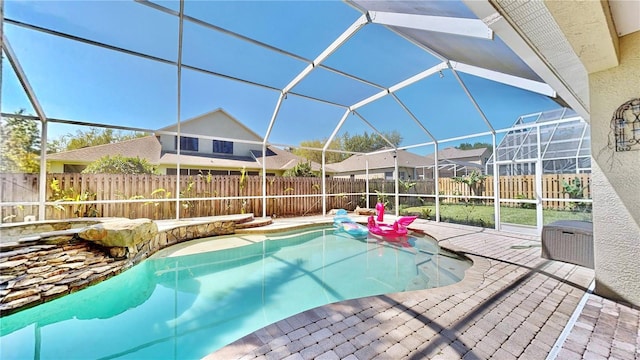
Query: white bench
[(569, 241)]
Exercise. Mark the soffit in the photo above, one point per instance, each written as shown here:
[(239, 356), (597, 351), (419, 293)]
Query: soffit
[(626, 16), (588, 27)]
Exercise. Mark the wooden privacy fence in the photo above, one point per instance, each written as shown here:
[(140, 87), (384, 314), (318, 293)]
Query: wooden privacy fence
[(149, 195), (523, 187)]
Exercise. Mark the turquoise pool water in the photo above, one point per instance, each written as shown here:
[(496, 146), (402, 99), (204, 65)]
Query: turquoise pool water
[(185, 307)]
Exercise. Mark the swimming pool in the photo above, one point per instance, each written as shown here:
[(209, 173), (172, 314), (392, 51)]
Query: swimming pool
[(190, 305)]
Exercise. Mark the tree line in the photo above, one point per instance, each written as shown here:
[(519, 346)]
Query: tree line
[(21, 145), (356, 143)]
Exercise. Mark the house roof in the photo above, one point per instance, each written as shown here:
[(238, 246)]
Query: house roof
[(378, 161), (283, 160), (147, 147), (277, 159), (459, 164), (451, 153), (186, 160)]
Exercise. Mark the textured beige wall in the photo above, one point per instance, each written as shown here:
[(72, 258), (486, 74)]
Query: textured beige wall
[(594, 40), (616, 180), (55, 167), (214, 124), (375, 173)]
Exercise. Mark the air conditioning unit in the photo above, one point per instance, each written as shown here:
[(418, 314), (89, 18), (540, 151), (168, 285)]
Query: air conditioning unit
[(569, 241)]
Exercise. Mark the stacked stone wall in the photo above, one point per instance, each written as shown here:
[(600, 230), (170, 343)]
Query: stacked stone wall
[(40, 262)]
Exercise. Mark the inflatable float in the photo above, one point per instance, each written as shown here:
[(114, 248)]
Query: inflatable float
[(395, 230), (342, 222)]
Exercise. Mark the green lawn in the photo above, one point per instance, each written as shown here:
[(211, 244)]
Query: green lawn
[(482, 215)]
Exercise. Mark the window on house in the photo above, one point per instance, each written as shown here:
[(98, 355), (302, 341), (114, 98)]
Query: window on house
[(222, 147), (187, 143), (174, 171), (69, 168), (388, 175)]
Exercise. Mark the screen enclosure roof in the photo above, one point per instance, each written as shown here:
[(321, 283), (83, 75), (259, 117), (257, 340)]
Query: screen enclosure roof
[(290, 71)]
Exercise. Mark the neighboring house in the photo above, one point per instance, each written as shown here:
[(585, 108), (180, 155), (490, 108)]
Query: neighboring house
[(452, 161), (197, 154), (455, 162), (74, 161), (380, 165)]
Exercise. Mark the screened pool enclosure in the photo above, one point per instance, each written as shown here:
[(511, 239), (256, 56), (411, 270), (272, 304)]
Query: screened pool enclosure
[(294, 79), (565, 145)]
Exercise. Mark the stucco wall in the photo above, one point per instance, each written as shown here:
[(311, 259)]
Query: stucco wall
[(375, 173), (55, 167), (616, 180)]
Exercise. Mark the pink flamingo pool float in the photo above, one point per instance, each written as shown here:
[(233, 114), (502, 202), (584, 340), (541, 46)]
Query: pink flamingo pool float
[(397, 229)]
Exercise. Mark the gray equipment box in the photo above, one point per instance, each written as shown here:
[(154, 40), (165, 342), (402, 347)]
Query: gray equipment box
[(569, 241)]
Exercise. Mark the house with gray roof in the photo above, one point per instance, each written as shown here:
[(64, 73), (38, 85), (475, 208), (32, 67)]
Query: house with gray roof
[(451, 162), (380, 166), (201, 150), (454, 162)]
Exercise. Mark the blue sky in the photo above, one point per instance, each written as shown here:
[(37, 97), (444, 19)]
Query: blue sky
[(87, 83)]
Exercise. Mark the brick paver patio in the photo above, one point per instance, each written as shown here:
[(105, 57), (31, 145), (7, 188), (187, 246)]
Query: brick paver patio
[(511, 304), (604, 330)]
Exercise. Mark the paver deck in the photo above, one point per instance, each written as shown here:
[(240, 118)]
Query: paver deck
[(511, 304)]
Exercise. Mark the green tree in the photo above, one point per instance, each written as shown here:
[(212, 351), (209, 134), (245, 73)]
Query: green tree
[(575, 190), (301, 170), (119, 164), (92, 137), (19, 145), (473, 181), (316, 155), (354, 143), (367, 143), (477, 145)]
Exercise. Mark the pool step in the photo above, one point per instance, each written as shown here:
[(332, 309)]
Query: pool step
[(444, 271), (254, 223)]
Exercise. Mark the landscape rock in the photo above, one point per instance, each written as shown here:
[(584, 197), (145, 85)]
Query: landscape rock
[(6, 278), (15, 295), (102, 269), (364, 211), (118, 252), (12, 264), (53, 279), (59, 239), (56, 290), (19, 303), (126, 233), (39, 269), (25, 283)]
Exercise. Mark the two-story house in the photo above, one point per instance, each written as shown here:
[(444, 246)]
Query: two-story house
[(200, 152)]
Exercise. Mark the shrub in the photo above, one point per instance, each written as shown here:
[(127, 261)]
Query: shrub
[(300, 170), (575, 190), (525, 205)]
